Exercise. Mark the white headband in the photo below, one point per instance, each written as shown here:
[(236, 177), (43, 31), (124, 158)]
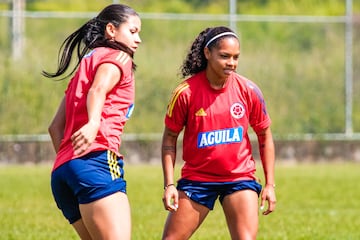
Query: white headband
[(220, 35)]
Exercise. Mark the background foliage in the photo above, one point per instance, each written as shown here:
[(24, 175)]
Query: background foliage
[(298, 66)]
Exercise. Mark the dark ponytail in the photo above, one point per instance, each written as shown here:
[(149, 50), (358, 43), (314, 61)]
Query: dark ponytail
[(92, 35)]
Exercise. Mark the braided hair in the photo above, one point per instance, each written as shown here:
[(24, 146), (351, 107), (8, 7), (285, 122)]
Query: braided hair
[(195, 60), (92, 35)]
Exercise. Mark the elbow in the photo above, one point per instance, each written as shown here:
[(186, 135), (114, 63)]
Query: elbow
[(54, 129), (51, 130)]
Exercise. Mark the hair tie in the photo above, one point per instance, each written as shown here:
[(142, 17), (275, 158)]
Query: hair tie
[(220, 35)]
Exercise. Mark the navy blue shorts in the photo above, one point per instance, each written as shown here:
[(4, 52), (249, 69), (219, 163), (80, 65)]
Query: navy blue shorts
[(206, 193), (86, 179)]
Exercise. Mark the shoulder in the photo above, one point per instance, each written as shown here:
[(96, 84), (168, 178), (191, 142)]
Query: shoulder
[(109, 54), (197, 82), (240, 79), (182, 89), (119, 58), (187, 86), (246, 83)]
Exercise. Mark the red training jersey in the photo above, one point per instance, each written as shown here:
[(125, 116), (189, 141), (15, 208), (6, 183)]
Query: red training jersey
[(116, 111), (216, 145)]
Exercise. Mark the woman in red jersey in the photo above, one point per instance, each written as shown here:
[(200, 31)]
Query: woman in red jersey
[(87, 178), (215, 106)]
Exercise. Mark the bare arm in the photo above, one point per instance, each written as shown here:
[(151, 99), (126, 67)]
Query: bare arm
[(267, 155), (106, 77), (56, 128), (168, 157)]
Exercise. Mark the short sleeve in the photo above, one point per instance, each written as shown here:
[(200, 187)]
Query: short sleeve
[(177, 108), (119, 58), (259, 118)]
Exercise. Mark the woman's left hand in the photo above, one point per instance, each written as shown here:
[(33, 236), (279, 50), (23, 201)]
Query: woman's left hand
[(268, 194)]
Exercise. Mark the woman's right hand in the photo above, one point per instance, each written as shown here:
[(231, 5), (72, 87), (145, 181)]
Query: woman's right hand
[(84, 137)]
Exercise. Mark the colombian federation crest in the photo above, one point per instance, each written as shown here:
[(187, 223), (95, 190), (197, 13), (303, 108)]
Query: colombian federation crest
[(237, 110)]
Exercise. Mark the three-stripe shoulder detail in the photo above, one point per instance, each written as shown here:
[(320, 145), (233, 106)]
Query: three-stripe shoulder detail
[(175, 95), (123, 58)]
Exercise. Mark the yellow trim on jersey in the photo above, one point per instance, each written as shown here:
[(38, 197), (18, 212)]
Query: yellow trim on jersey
[(113, 165), (123, 57), (176, 93)]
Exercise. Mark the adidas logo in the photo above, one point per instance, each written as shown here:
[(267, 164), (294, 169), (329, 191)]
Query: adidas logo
[(201, 113)]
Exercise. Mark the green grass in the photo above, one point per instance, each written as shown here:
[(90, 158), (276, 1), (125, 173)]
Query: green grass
[(315, 201)]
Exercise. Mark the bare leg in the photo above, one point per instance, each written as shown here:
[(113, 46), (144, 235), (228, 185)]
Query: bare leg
[(108, 218), (241, 211), (81, 230), (182, 223)]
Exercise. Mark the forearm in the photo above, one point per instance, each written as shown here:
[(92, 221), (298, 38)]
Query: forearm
[(95, 102), (57, 126), (168, 169), (267, 155), (107, 76), (56, 137), (168, 156)]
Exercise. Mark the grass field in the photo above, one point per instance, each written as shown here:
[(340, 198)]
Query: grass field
[(319, 201)]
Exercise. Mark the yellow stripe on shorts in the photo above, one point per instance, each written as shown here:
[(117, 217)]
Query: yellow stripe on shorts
[(113, 165)]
